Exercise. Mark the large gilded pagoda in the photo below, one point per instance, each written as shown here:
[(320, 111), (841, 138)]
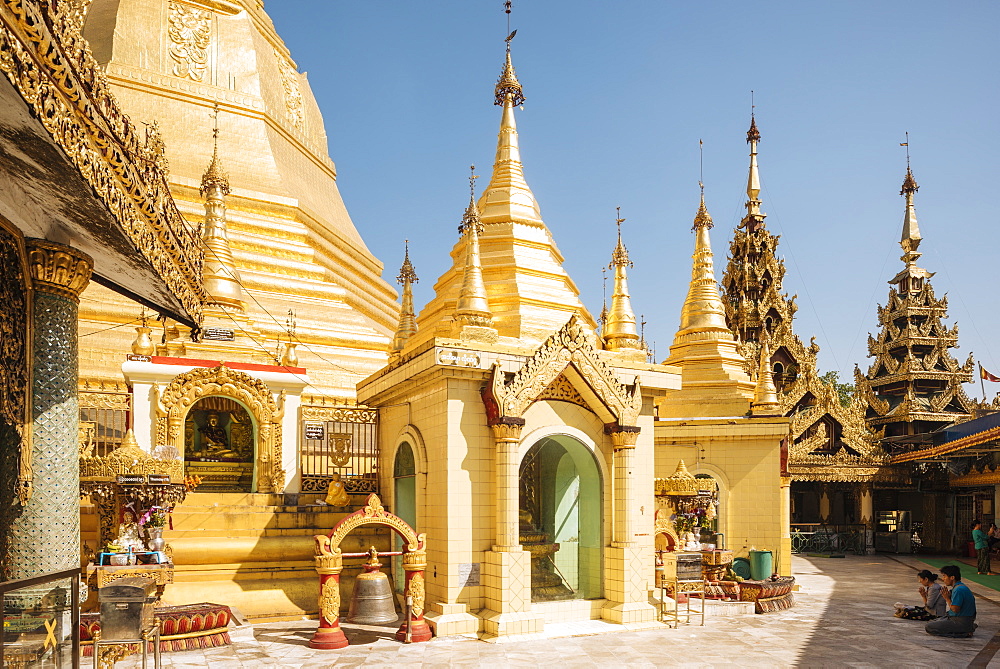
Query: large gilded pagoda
[(913, 387), (829, 442)]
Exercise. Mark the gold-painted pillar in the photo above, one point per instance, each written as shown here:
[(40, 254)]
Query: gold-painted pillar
[(45, 533), (627, 584), (329, 635), (414, 564), (623, 442), (508, 439), (866, 502), (507, 567), (824, 503), (784, 566)]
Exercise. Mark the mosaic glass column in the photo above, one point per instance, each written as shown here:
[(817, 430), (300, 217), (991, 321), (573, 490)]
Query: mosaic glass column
[(45, 535)]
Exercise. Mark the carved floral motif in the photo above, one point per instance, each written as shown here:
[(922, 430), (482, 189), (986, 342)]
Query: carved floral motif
[(14, 335), (190, 31), (293, 95), (329, 599)]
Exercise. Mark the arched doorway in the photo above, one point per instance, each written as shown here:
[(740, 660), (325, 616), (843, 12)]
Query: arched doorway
[(561, 515), (404, 479), (220, 444)]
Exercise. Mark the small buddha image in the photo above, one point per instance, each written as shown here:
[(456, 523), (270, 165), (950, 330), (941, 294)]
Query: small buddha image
[(214, 440), (337, 495)]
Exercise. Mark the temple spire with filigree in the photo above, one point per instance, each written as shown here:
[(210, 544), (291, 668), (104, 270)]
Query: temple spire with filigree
[(715, 380), (407, 317), (914, 385), (473, 307), (619, 330), (221, 280)]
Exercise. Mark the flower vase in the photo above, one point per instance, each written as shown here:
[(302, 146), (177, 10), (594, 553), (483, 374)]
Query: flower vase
[(155, 541)]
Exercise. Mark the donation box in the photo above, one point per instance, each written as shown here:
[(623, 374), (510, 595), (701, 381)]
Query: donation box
[(126, 608)]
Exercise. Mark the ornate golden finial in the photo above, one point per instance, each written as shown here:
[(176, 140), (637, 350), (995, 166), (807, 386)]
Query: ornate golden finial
[(619, 326), (702, 219), (754, 218), (215, 175), (407, 317), (508, 87), (221, 280), (471, 215), (765, 399), (619, 257), (473, 308), (910, 239), (753, 135)]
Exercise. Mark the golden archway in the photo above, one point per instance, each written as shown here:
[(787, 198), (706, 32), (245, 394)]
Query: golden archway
[(330, 562), (173, 404)]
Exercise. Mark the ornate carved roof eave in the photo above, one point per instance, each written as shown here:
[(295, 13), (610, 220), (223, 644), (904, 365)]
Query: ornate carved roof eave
[(984, 477), (829, 474), (50, 64), (991, 435), (568, 352)]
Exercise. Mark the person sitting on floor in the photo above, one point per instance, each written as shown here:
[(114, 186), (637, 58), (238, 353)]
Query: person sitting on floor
[(930, 590), (961, 618), (934, 604)]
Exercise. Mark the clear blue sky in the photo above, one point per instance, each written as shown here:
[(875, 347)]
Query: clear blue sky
[(618, 95)]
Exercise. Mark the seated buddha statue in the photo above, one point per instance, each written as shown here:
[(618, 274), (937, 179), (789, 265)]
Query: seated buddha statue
[(214, 440)]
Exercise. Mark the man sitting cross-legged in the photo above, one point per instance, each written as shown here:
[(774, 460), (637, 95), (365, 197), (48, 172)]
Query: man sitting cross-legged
[(961, 618)]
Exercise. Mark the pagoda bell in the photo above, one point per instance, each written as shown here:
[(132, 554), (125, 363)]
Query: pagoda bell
[(372, 601)]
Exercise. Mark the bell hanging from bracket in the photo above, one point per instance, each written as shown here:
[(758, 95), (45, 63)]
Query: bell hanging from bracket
[(372, 601)]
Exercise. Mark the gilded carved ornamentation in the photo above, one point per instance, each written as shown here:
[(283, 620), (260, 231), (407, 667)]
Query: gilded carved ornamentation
[(293, 94), (173, 404), (58, 269), (129, 459), (415, 589), (329, 599), (15, 297), (46, 58), (372, 513), (563, 391), (824, 432), (570, 346), (102, 400), (339, 414), (190, 32)]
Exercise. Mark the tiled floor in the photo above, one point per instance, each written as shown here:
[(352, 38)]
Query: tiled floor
[(842, 617)]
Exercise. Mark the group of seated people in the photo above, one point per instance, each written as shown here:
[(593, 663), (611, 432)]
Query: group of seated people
[(949, 608)]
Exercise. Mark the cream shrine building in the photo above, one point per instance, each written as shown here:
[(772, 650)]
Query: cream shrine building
[(534, 450)]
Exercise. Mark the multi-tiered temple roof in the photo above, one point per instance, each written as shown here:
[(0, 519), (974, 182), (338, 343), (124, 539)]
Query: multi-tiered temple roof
[(914, 384), (829, 440)]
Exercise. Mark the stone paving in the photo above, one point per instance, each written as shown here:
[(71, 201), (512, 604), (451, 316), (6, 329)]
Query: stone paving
[(842, 618)]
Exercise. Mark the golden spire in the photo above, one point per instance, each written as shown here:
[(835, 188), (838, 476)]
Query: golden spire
[(715, 382), (910, 239), (619, 326), (221, 281), (754, 217), (765, 397), (472, 309), (407, 318), (508, 197), (703, 309)]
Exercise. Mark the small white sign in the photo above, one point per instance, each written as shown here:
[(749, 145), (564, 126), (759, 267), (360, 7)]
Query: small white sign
[(450, 356), (468, 574)]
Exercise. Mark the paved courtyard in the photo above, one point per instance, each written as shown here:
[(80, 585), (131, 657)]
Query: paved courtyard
[(842, 617)]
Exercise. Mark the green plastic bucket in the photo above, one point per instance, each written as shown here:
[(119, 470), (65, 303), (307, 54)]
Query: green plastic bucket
[(761, 565)]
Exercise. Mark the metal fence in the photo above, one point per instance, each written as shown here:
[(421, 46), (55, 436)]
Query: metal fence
[(822, 538), (339, 440), (104, 419)]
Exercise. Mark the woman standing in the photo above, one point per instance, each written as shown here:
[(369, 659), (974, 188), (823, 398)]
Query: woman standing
[(982, 543)]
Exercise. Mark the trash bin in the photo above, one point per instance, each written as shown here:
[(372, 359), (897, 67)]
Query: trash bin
[(761, 565), (127, 608)]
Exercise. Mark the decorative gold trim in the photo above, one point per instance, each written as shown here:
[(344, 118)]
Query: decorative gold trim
[(58, 269), (173, 403), (329, 599), (570, 346), (340, 414), (46, 58), (15, 352)]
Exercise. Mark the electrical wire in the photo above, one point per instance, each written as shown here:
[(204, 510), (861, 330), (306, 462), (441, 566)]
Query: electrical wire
[(113, 327)]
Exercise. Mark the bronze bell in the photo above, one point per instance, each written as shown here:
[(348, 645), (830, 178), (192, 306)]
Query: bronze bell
[(372, 601)]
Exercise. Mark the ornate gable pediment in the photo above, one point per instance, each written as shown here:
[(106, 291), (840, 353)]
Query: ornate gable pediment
[(570, 354)]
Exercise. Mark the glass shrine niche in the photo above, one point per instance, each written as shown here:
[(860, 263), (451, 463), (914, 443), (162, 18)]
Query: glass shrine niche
[(219, 445)]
